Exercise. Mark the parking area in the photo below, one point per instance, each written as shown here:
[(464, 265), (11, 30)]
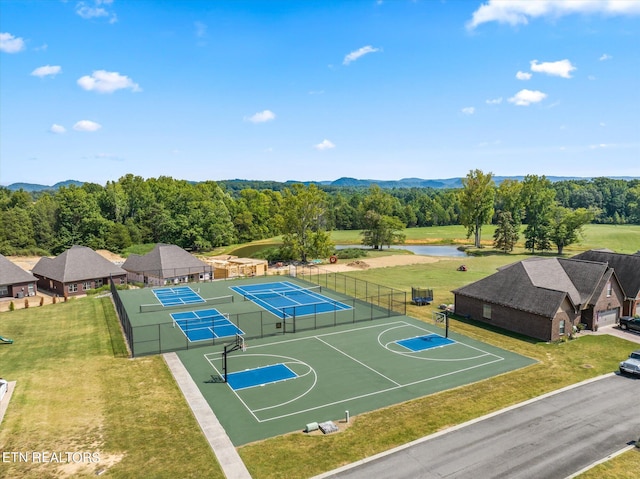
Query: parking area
[(614, 330)]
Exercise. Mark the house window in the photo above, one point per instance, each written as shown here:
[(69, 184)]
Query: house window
[(99, 283), (31, 289), (561, 326), (609, 289), (73, 288), (4, 290), (486, 311), (86, 285)]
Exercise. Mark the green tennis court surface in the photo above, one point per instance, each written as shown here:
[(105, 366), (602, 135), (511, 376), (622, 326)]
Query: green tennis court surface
[(282, 383)]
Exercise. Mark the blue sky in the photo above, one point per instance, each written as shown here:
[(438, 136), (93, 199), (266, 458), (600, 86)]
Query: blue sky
[(212, 90)]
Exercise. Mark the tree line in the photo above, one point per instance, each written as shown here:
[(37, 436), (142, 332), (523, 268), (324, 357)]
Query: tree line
[(199, 216)]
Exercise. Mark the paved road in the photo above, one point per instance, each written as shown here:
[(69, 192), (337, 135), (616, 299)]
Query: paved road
[(552, 437)]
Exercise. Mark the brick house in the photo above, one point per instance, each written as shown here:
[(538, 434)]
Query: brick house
[(627, 268), (544, 298), (76, 271), (166, 264), (14, 281)]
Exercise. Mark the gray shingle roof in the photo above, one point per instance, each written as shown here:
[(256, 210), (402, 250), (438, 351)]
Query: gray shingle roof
[(626, 266), (539, 285), (165, 261), (12, 274), (78, 263)]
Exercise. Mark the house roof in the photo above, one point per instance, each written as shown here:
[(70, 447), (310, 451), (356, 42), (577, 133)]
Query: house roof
[(78, 263), (539, 285), (626, 266), (165, 261), (12, 274)]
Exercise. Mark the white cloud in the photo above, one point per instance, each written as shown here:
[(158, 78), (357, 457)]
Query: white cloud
[(87, 125), (561, 68), (261, 117), (353, 56), (527, 97), (97, 9), (602, 123), (469, 110), (57, 129), (47, 70), (494, 101), (519, 12), (605, 57), (523, 75), (201, 29), (600, 145), (107, 82), (325, 145), (11, 44)]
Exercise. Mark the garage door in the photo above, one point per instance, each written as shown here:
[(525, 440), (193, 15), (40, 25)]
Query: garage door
[(610, 316)]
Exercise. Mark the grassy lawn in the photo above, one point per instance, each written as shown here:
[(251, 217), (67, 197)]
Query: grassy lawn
[(78, 392)]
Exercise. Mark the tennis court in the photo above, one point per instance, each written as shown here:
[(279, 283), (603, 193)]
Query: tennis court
[(280, 384), (205, 324), (287, 300), (177, 296)]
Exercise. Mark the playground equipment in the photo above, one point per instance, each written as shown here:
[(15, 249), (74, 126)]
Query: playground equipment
[(421, 296), (6, 340)]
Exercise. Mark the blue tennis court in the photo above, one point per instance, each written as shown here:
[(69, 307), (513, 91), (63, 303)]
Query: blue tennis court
[(177, 296), (260, 376), (421, 343), (287, 300), (205, 325)]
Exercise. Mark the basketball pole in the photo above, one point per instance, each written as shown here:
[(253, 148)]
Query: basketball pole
[(446, 324)]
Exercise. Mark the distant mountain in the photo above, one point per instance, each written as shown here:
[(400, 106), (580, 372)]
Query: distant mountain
[(35, 187), (345, 182)]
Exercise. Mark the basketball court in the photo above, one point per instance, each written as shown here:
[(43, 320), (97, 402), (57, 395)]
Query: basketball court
[(279, 385)]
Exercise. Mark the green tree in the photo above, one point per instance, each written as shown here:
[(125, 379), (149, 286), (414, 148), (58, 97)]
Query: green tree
[(538, 199), (381, 230), (506, 234), (303, 221), (566, 225), (476, 203)]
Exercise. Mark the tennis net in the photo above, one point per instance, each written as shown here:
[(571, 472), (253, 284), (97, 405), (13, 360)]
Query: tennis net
[(288, 293), (148, 308), (207, 321)]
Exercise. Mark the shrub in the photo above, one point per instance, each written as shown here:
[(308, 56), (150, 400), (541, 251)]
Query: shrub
[(12, 306), (54, 300), (41, 300), (26, 303), (351, 253)]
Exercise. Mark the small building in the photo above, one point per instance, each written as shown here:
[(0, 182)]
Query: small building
[(14, 281), (227, 266), (166, 264), (76, 271), (544, 298), (627, 268)]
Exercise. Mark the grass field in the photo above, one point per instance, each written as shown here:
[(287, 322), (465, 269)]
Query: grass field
[(77, 391)]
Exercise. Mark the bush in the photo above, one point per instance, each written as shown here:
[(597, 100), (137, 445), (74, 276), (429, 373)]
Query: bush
[(26, 303), (351, 253), (41, 300), (12, 306)]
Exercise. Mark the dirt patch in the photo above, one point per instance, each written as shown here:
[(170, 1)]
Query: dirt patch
[(383, 262)]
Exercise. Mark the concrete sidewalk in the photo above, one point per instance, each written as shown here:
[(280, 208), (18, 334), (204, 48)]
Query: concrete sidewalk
[(229, 459)]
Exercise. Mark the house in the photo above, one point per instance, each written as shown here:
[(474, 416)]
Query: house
[(627, 268), (166, 264), (544, 298), (14, 281), (76, 271)]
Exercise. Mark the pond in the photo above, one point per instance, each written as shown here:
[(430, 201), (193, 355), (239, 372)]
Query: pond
[(427, 250)]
